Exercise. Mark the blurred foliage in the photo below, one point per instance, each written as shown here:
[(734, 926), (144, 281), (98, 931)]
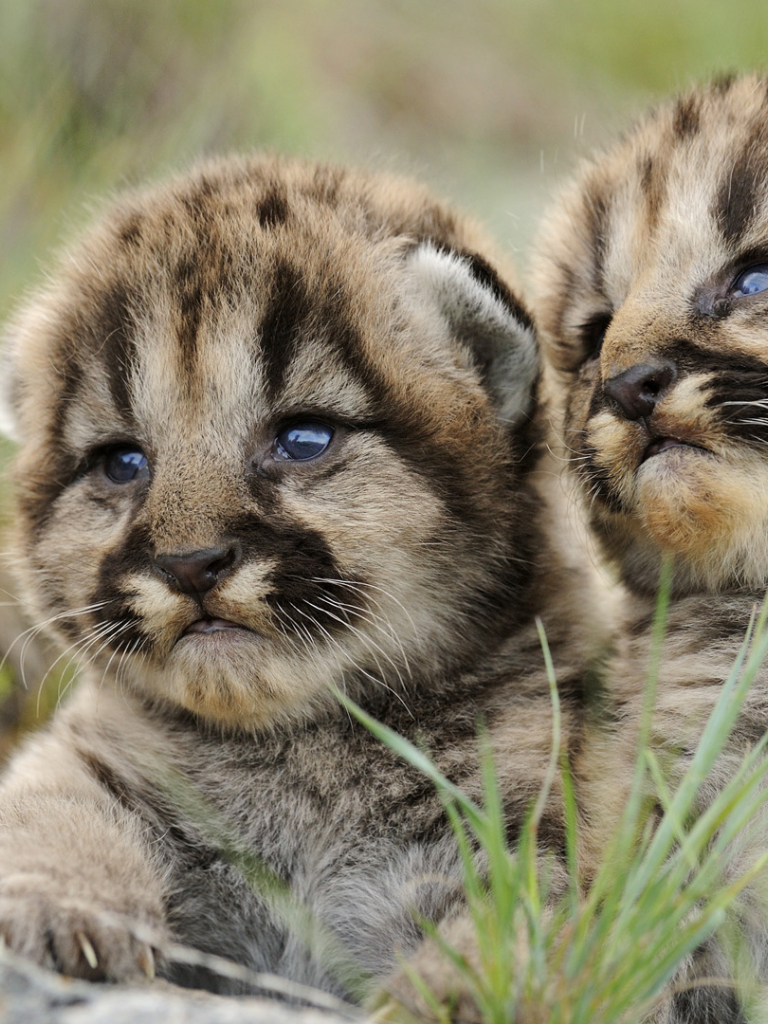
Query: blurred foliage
[(490, 101)]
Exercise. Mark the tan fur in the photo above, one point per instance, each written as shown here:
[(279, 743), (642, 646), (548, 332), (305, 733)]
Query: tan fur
[(658, 356), (154, 383)]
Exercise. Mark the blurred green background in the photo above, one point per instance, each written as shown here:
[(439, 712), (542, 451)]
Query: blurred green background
[(489, 101)]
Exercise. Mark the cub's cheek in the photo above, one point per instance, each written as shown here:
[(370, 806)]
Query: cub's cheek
[(66, 568), (618, 449)]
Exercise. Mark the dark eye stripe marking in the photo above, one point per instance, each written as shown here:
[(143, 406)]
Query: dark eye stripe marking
[(349, 345), (294, 317), (736, 395), (692, 358), (310, 594)]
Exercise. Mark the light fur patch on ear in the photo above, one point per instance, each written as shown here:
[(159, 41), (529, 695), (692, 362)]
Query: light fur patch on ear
[(487, 319)]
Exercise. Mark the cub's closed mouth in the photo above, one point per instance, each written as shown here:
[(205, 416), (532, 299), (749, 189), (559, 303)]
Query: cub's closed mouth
[(207, 625), (662, 444)]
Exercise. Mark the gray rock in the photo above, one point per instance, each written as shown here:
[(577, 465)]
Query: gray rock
[(29, 995)]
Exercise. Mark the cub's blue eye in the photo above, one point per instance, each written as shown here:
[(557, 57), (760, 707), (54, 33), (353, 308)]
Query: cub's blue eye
[(751, 281), (124, 465), (302, 441)]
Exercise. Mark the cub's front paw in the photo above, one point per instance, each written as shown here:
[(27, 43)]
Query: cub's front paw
[(77, 938), (444, 991)]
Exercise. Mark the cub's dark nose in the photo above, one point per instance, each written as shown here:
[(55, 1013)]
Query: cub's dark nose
[(637, 390), (196, 572)]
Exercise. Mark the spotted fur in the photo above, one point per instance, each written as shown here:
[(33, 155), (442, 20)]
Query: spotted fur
[(215, 589), (652, 282)]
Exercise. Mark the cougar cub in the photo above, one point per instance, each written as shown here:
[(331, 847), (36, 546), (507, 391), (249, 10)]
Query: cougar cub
[(276, 439), (653, 292)]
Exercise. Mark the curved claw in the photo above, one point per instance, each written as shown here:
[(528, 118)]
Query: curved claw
[(88, 951), (147, 962)]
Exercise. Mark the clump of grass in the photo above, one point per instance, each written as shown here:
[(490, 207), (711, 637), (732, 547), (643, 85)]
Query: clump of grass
[(612, 953)]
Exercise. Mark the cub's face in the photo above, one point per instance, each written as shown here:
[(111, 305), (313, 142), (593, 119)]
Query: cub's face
[(270, 425), (652, 282)]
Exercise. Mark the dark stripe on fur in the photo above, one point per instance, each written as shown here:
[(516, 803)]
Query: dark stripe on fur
[(346, 341), (592, 332), (742, 189), (273, 209), (113, 338), (130, 231), (486, 276), (722, 84), (597, 210), (307, 584), (653, 184), (692, 358), (187, 286), (289, 312), (36, 493), (736, 378), (687, 117), (707, 1005), (186, 274), (150, 806)]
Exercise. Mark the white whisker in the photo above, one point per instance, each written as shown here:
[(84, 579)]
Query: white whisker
[(376, 680)]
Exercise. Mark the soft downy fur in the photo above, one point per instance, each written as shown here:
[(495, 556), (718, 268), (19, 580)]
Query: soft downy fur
[(652, 291), (277, 436)]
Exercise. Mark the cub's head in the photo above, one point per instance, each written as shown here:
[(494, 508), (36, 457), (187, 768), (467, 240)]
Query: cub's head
[(274, 434), (652, 282)]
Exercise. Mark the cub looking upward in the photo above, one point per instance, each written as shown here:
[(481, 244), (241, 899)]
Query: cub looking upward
[(653, 295), (275, 437)]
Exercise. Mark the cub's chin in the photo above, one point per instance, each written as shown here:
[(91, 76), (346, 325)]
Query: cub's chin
[(709, 511), (231, 677)]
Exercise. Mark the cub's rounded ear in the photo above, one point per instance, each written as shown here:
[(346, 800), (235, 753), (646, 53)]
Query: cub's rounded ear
[(489, 322)]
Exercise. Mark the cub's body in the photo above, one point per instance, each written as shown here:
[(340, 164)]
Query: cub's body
[(653, 287), (277, 438), (197, 830)]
